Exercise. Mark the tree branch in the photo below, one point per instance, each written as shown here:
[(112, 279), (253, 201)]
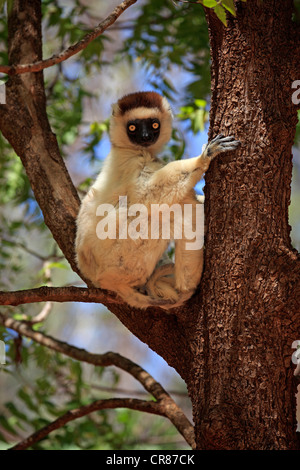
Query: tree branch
[(101, 360), (56, 294), (124, 391), (170, 409), (72, 50), (71, 415), (43, 314)]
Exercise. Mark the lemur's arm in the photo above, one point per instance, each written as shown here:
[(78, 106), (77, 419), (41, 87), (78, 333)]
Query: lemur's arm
[(187, 172)]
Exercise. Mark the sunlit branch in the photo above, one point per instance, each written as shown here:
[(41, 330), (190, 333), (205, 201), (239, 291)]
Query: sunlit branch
[(56, 294)]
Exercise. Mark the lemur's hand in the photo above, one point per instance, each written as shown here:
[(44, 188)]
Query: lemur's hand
[(220, 144)]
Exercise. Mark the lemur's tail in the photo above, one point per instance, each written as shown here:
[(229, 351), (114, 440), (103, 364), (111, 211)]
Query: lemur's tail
[(138, 300), (160, 291)]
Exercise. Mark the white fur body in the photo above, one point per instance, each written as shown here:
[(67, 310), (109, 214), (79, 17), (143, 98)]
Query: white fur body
[(136, 269)]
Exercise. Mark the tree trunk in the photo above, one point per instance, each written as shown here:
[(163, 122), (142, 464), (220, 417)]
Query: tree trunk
[(242, 384)]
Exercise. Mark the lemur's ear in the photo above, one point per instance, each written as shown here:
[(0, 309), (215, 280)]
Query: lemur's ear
[(115, 109), (166, 106)]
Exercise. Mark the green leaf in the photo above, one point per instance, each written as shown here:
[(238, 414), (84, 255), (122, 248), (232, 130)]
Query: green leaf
[(221, 14), (14, 411), (19, 316), (56, 264), (230, 6), (25, 397), (7, 426), (209, 3), (200, 103), (199, 120)]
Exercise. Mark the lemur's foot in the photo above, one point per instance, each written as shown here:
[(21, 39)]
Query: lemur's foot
[(221, 144)]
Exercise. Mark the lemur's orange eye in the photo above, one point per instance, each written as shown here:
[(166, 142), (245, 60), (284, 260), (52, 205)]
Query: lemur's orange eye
[(155, 125), (132, 127)]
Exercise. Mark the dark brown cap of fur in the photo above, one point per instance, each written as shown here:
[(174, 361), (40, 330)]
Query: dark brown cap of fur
[(141, 99)]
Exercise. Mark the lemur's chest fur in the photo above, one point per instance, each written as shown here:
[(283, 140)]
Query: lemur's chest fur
[(129, 177)]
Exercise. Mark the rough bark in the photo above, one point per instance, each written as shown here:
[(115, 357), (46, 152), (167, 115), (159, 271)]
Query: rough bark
[(244, 392)]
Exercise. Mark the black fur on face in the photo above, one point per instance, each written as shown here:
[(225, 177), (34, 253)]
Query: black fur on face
[(143, 132)]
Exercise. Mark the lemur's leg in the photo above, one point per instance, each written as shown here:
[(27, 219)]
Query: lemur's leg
[(182, 175), (169, 280), (188, 250), (188, 267)]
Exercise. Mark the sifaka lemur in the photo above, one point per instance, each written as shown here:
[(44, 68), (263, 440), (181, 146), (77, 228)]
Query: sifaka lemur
[(137, 268)]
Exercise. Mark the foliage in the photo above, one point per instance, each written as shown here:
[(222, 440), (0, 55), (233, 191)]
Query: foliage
[(197, 115), (165, 36), (41, 398)]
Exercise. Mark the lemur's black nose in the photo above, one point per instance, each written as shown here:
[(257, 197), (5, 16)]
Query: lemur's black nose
[(146, 137), (145, 134)]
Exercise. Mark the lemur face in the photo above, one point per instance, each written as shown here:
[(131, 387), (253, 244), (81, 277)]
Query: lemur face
[(144, 132), (141, 120)]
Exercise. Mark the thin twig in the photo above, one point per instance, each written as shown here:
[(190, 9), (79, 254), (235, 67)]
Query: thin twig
[(39, 317), (123, 391), (186, 1), (43, 314), (72, 50), (32, 252), (170, 409)]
